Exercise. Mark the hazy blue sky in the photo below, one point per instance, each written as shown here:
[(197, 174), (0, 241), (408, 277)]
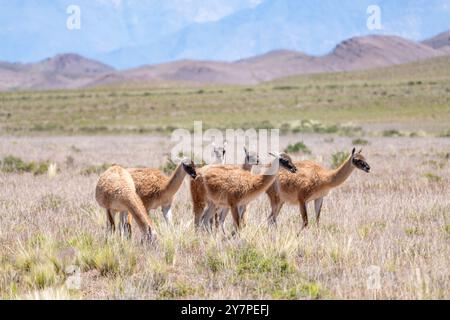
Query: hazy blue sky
[(128, 33)]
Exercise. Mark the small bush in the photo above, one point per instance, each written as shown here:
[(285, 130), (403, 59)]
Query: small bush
[(95, 169), (392, 133), (413, 231), (338, 158), (214, 262), (446, 229), (250, 261), (168, 167), (42, 275), (298, 147), (312, 126), (179, 289), (285, 88), (310, 290), (432, 177), (361, 142), (106, 262), (14, 164)]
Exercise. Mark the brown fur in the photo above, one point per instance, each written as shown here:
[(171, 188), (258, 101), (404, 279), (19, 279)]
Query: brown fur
[(155, 189), (198, 191), (228, 186), (310, 182), (116, 191)]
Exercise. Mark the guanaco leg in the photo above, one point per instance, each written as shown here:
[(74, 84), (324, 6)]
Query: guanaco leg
[(318, 208), (304, 214)]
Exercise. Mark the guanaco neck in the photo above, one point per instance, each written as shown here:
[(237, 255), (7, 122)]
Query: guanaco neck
[(263, 181), (339, 175), (175, 181)]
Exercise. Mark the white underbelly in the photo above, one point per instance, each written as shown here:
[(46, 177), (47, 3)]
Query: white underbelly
[(319, 195), (293, 199)]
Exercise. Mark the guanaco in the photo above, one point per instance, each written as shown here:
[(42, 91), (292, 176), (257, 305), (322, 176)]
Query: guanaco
[(228, 186), (198, 191), (155, 189), (116, 191), (311, 182), (219, 153)]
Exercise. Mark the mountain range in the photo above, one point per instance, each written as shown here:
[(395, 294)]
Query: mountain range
[(130, 33), (74, 71)]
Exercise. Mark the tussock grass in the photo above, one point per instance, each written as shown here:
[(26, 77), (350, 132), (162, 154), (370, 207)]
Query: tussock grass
[(393, 218)]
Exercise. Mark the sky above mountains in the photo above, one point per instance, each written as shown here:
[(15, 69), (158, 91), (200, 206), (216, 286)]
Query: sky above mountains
[(129, 33)]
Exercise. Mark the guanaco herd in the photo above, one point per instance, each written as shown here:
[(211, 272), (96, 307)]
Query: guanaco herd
[(219, 188)]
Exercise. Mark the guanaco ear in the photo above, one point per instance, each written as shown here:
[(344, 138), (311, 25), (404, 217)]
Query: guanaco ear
[(360, 150), (275, 154), (245, 150), (353, 151)]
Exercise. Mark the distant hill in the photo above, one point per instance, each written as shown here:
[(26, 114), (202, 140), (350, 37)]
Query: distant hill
[(358, 53), (61, 71), (440, 42)]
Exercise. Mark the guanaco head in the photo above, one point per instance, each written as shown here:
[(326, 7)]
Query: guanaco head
[(219, 152), (189, 167), (285, 161), (359, 161), (251, 157)]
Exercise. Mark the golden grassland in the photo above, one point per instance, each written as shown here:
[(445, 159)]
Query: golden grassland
[(397, 218)]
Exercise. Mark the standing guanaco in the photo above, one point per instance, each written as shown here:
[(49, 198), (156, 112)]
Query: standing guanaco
[(232, 187), (311, 182), (155, 189), (198, 191), (116, 191)]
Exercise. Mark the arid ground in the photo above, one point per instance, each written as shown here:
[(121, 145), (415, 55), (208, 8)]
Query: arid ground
[(382, 235)]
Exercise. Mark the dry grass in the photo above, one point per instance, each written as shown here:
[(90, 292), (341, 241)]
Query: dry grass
[(396, 218)]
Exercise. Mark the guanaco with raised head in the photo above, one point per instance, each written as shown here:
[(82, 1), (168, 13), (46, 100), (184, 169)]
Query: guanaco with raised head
[(234, 187), (155, 189), (311, 182)]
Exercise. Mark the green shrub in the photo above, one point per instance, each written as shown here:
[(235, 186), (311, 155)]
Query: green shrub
[(413, 231), (251, 261), (285, 88), (214, 262), (95, 169), (168, 167), (360, 141), (312, 126), (310, 290), (14, 164), (392, 133), (42, 275), (297, 147), (432, 177), (338, 158)]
